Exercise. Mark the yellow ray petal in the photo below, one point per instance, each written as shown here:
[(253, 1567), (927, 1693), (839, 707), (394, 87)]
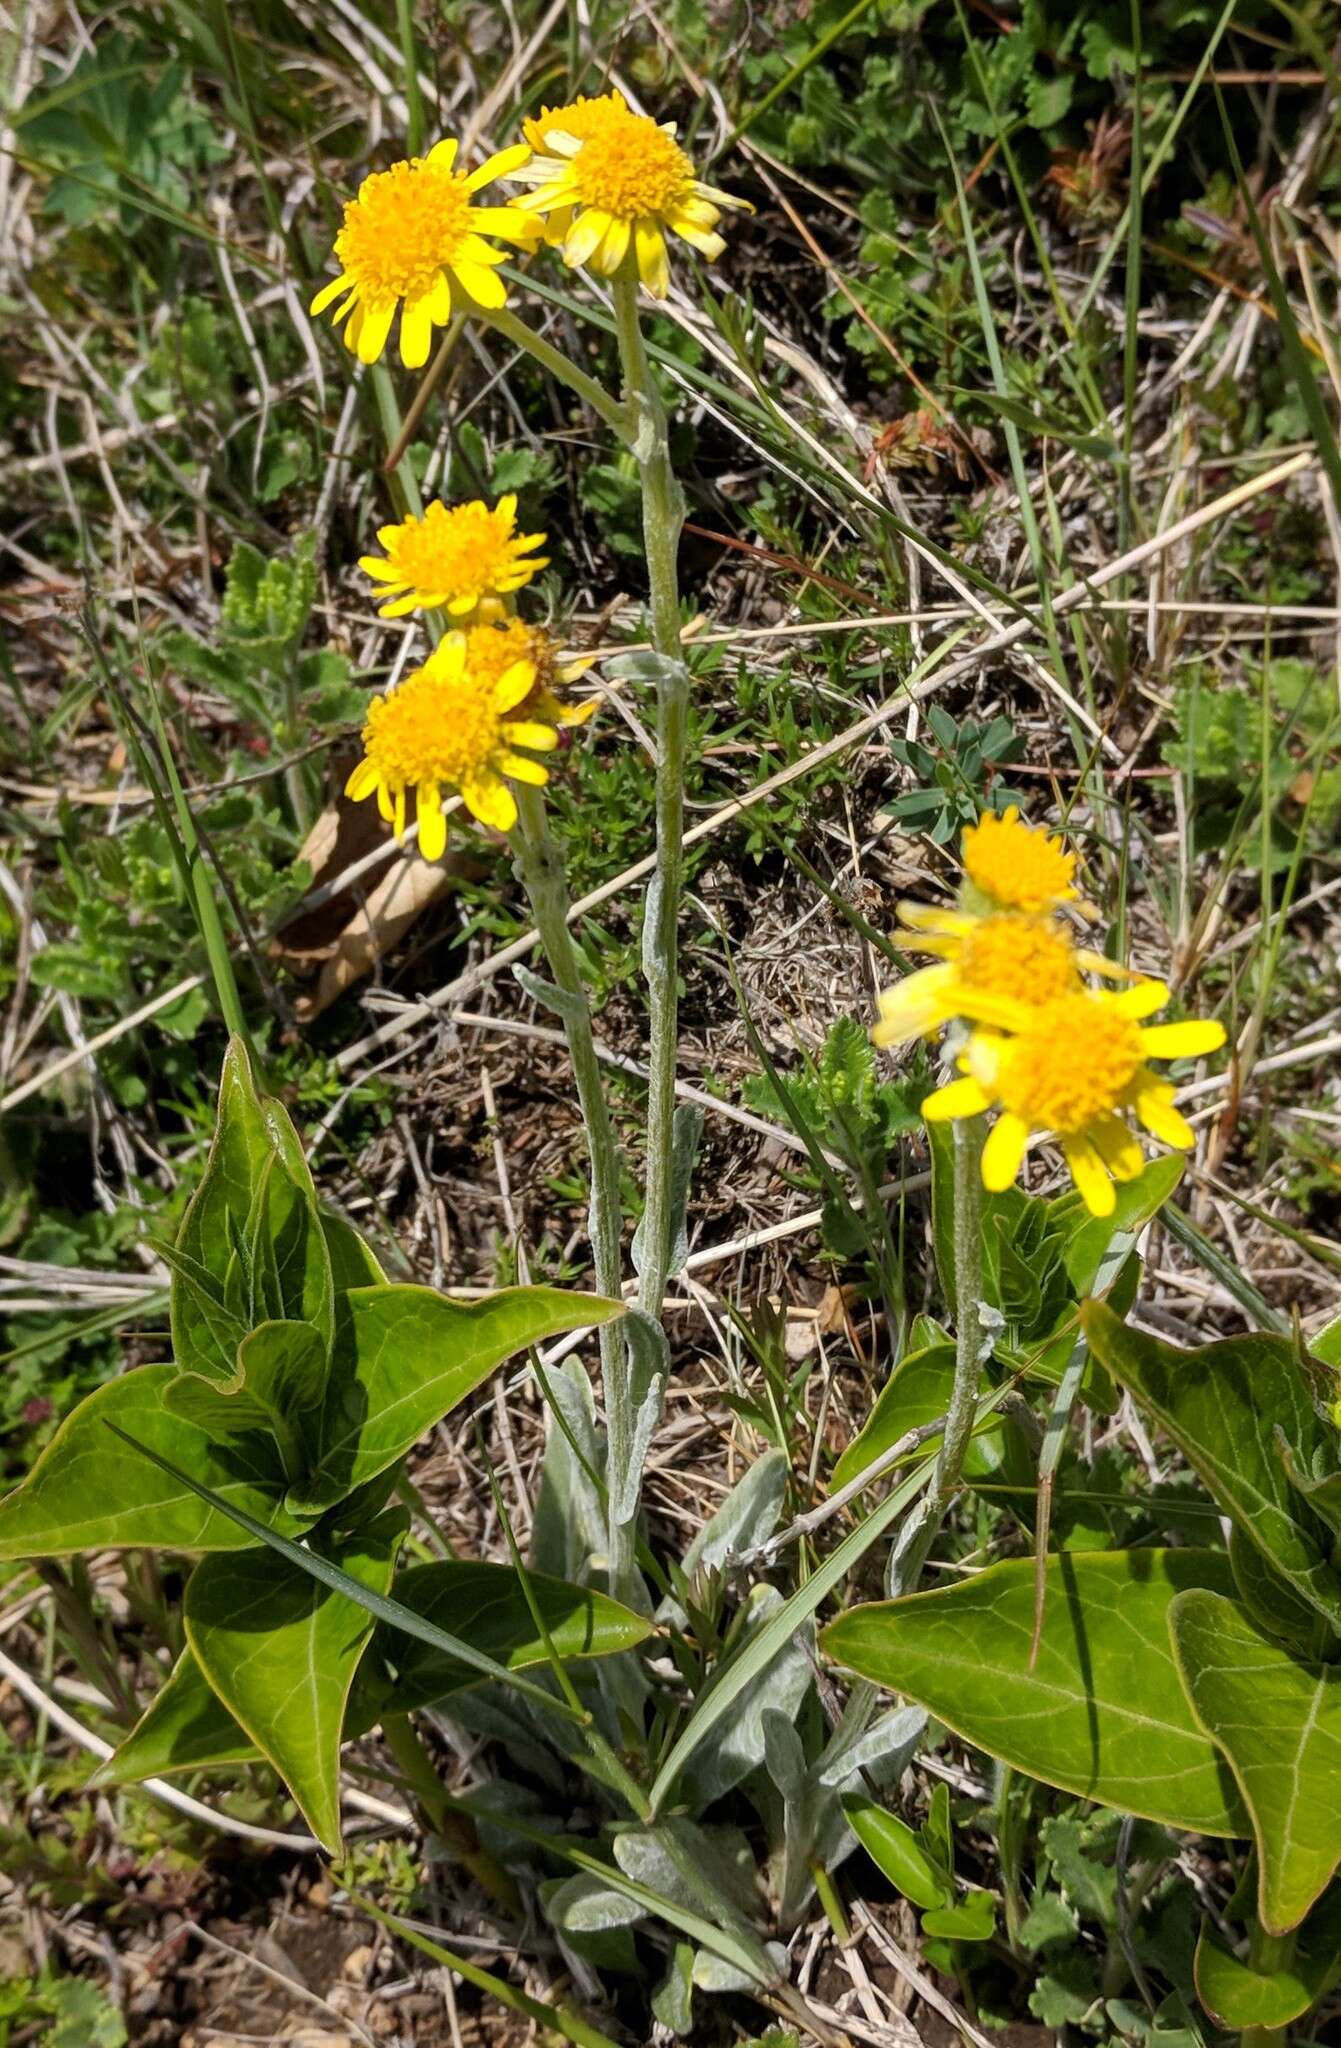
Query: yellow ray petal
[(1142, 1000), (432, 823), (913, 1006), (491, 801), (1153, 1102), (957, 1098), (1117, 1147), (373, 331), (585, 236), (383, 571), (362, 781), (443, 154), (523, 770), (1090, 1176), (498, 165), (525, 732), (653, 265), (416, 334), (330, 292), (1003, 1154), (614, 248), (481, 285), (514, 684), (1183, 1041)]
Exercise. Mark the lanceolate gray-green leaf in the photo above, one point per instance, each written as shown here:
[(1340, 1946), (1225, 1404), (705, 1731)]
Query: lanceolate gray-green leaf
[(1223, 1405), (91, 1491), (404, 1356), (1102, 1712), (1277, 1718), (281, 1651)]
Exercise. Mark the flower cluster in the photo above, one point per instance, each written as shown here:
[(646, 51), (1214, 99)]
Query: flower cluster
[(474, 715), (601, 182), (1046, 1048)]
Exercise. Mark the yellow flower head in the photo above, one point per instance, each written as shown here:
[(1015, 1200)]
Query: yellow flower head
[(448, 727), (492, 649), (1074, 1066), (413, 236), (1011, 954), (456, 557), (1015, 866), (615, 180)]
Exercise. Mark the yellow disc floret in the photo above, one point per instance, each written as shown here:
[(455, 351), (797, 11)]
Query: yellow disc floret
[(1017, 866), (448, 727), (1026, 959), (611, 182), (1072, 1065), (632, 168), (456, 557), (414, 237)]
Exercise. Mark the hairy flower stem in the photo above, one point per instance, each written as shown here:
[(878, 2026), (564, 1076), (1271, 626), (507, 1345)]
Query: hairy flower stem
[(663, 515), (540, 867), (969, 1135)]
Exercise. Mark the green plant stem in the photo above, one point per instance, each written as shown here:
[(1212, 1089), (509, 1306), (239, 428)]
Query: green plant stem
[(663, 515), (540, 866), (453, 1827), (969, 1135), (1268, 1952), (559, 366), (414, 97), (182, 834)]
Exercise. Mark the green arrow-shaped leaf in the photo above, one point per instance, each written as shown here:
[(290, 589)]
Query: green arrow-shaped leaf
[(1102, 1712), (186, 1724), (281, 1651), (1228, 1407), (185, 1727), (917, 1392), (1277, 1718), (89, 1490), (486, 1603), (404, 1356)]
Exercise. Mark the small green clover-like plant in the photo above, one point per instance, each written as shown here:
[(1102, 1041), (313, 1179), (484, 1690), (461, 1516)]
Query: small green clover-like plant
[(951, 786), (270, 1447)]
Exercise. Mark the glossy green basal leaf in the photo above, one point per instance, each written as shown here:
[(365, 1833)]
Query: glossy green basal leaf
[(1093, 1241), (185, 1727), (281, 1651), (91, 1491), (283, 1373), (485, 1605), (917, 1392), (1102, 1713), (1277, 1717), (352, 1263), (1230, 1407), (1271, 1600), (970, 1919), (1238, 1996), (215, 1222), (286, 1246), (899, 1852), (404, 1356)]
